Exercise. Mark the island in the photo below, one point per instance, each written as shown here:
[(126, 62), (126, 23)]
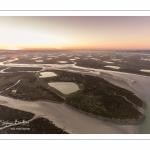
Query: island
[(94, 96)]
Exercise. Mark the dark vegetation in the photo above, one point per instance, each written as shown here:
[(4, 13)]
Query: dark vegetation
[(29, 88), (96, 96), (45, 59), (9, 79), (32, 61), (99, 97), (131, 64), (11, 114), (37, 126), (131, 61)]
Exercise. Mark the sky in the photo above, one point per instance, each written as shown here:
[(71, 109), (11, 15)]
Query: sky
[(75, 33)]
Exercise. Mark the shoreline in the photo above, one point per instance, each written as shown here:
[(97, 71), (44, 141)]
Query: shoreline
[(76, 122), (117, 121), (112, 120), (14, 120)]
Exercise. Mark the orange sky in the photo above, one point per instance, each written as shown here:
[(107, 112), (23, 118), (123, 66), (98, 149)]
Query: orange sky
[(75, 33)]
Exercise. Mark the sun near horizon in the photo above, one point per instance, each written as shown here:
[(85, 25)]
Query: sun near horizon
[(75, 33), (13, 48)]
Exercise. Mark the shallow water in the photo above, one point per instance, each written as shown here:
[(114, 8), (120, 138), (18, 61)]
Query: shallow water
[(108, 62), (39, 60), (47, 74), (72, 59), (2, 57), (64, 117), (139, 84), (145, 59), (49, 58), (63, 62), (144, 70), (116, 59), (114, 67), (65, 87)]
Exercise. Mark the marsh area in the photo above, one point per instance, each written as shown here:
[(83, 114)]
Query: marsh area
[(20, 79)]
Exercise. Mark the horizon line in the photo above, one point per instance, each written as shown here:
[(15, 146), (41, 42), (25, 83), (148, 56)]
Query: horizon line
[(76, 50)]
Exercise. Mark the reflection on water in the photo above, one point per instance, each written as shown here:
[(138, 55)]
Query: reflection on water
[(47, 74), (141, 88), (114, 67), (63, 62), (72, 59), (144, 70), (62, 116), (108, 62), (65, 87), (39, 60)]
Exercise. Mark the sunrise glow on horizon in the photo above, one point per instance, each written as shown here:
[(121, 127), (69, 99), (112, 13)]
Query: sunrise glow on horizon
[(75, 33)]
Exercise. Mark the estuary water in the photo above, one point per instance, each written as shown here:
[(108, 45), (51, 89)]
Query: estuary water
[(47, 74), (65, 87), (76, 122)]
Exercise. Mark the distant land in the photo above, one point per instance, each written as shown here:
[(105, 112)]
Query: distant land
[(48, 76)]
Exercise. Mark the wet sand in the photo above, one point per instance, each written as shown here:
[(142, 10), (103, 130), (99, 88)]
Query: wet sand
[(76, 122), (64, 117)]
